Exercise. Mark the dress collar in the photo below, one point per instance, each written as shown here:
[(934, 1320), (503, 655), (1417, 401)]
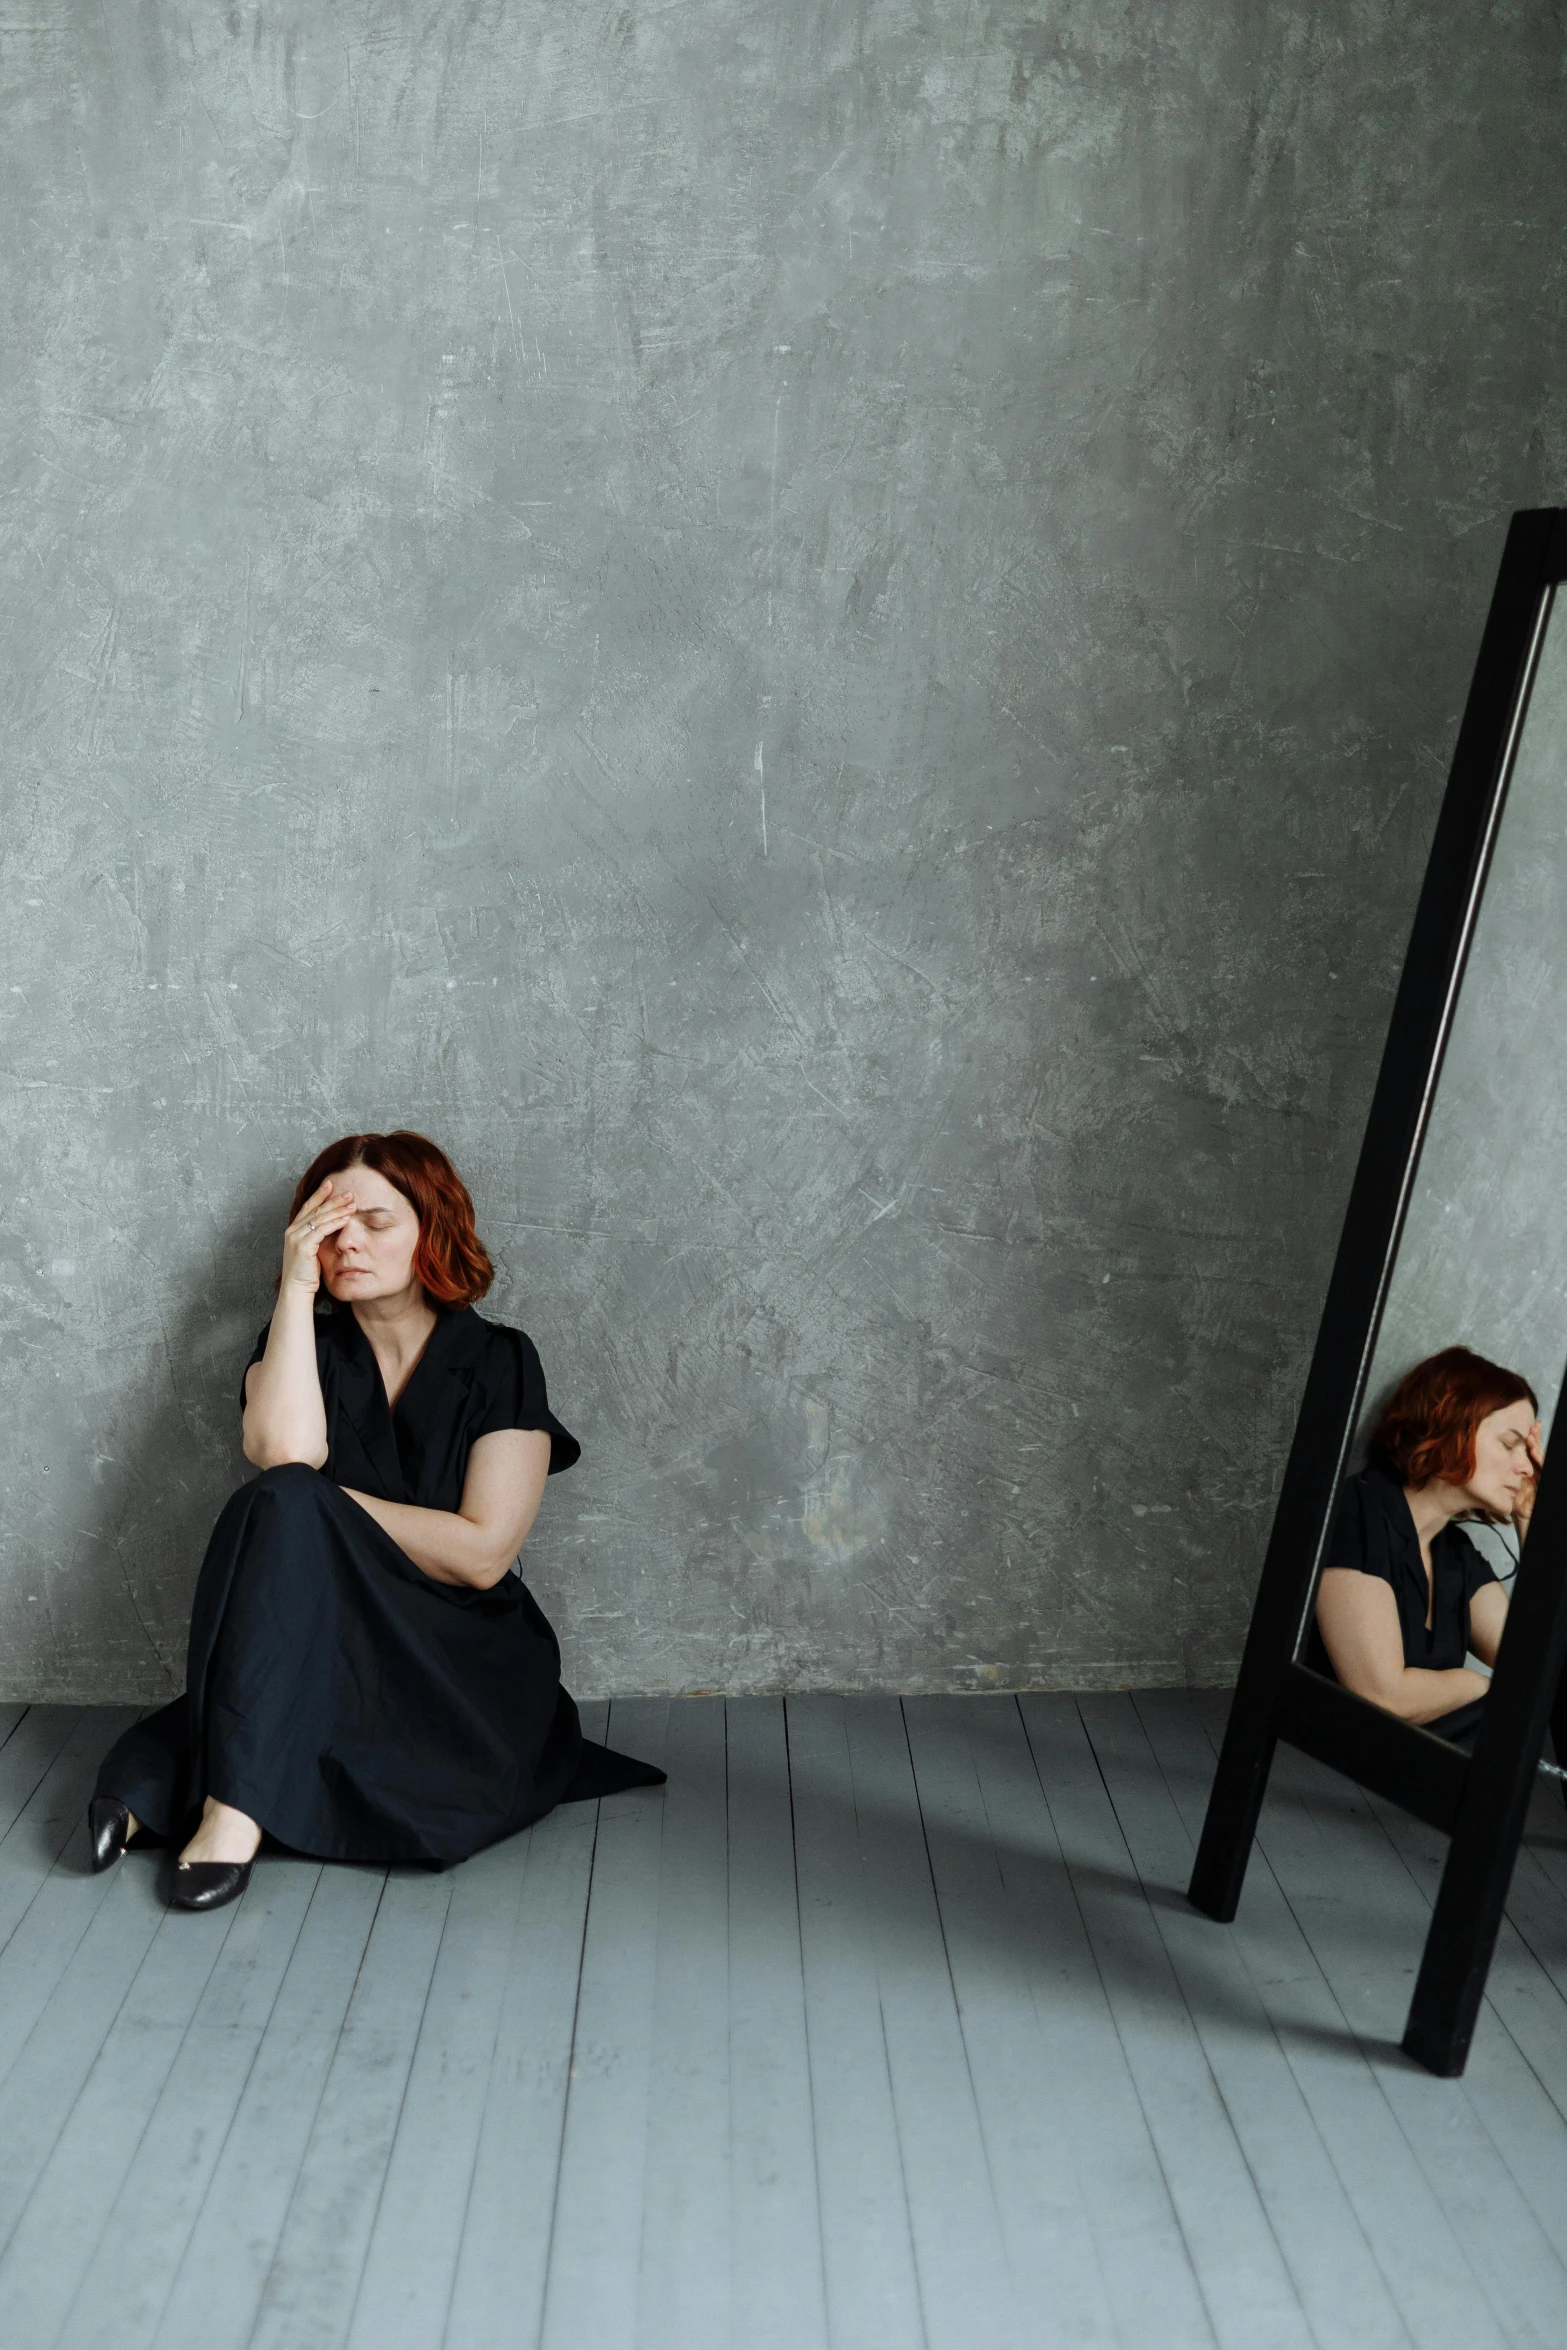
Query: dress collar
[(1390, 1491), (362, 1391), (361, 1397)]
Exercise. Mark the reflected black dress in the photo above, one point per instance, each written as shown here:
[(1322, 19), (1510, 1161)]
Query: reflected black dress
[(1374, 1532), (355, 1707)]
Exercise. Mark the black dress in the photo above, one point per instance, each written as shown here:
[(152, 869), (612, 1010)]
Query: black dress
[(1374, 1531), (355, 1707)]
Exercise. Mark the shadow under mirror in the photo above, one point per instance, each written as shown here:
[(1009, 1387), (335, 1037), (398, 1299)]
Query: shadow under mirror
[(1430, 1526)]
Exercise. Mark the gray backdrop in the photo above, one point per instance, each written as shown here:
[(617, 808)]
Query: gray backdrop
[(826, 640)]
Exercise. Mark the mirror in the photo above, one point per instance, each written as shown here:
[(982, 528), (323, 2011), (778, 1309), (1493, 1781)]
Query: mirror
[(1410, 1590)]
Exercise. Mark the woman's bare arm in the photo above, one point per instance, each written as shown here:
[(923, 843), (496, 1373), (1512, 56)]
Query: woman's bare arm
[(475, 1543), (1487, 1619), (285, 1416), (1358, 1618)]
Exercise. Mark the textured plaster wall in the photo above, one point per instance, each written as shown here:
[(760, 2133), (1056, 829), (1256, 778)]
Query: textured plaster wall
[(824, 638)]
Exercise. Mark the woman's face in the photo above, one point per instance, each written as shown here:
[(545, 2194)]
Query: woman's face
[(1502, 1463), (373, 1254)]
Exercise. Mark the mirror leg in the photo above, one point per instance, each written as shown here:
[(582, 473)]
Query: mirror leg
[(1239, 1785), (1464, 1927)]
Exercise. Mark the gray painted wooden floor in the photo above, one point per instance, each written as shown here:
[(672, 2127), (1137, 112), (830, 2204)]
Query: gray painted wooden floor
[(883, 2025)]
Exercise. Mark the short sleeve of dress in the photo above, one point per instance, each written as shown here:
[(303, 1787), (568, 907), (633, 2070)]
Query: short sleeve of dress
[(1478, 1570), (514, 1396), (256, 1353), (1360, 1535)]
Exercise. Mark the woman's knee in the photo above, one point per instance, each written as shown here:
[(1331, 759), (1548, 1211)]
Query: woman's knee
[(291, 1482)]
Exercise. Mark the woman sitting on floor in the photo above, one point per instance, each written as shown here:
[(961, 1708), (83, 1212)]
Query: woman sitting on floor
[(366, 1680), (1405, 1595)]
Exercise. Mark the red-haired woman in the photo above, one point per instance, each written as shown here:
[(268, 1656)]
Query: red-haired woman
[(1405, 1595), (366, 1679)]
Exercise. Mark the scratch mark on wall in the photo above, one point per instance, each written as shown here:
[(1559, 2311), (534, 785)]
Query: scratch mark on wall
[(456, 685), (104, 650), (244, 643), (891, 953), (787, 1018), (516, 339), (772, 512)]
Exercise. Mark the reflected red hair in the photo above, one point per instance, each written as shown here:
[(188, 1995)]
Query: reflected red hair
[(1428, 1424), (449, 1257)]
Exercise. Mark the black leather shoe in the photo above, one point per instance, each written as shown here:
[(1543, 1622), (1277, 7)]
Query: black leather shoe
[(108, 1825), (208, 1884)]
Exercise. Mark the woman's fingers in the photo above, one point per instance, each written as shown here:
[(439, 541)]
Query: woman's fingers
[(325, 1212), (314, 1217), (324, 1229), (1523, 1508), (317, 1220), (312, 1205), (315, 1204)]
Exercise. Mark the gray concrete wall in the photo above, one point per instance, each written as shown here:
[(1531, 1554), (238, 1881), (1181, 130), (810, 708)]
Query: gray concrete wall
[(1482, 1261), (824, 639)]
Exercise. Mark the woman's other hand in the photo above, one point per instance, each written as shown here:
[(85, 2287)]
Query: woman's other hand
[(326, 1210)]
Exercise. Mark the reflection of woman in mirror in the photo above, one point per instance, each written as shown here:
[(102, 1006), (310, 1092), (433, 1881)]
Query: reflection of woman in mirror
[(1405, 1595)]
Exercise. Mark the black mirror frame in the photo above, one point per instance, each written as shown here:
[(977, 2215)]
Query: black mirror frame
[(1480, 1802)]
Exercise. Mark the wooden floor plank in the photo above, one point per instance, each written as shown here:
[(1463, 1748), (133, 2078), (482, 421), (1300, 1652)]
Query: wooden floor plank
[(1537, 1915), (314, 2276), (1366, 1922), (1516, 2079), (1244, 2277), (783, 2064), (868, 2254), (217, 2288), (777, 2284), (32, 1742), (1379, 1907), (50, 1821), (591, 2284), (1091, 2235), (405, 2290), (684, 2261), (75, 2186), (1346, 2301), (1537, 1898), (72, 2020), (960, 2248), (498, 2290), (149, 2222), (1424, 2261)]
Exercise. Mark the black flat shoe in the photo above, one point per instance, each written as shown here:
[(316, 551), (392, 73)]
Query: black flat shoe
[(208, 1884), (108, 1825)]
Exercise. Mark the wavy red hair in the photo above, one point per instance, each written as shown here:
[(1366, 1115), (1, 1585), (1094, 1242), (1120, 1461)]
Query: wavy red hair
[(1428, 1424), (449, 1257)]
